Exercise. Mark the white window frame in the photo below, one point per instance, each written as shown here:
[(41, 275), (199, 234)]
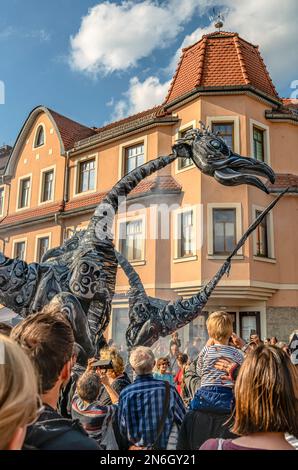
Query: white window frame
[(223, 205), (19, 240), (184, 127), (132, 218), (41, 188), (37, 238), (78, 162), (4, 191), (21, 178), (265, 129), (270, 235), (122, 153), (235, 120), (176, 216), (40, 124)]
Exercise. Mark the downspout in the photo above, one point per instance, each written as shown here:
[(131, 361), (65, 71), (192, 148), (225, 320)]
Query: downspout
[(7, 211), (65, 195)]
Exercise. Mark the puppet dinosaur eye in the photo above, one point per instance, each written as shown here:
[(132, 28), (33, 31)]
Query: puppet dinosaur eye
[(216, 144)]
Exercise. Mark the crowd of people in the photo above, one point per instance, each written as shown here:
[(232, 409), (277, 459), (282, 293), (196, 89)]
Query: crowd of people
[(230, 395)]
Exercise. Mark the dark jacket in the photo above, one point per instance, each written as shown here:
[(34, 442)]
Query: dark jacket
[(52, 432), (199, 426), (118, 385)]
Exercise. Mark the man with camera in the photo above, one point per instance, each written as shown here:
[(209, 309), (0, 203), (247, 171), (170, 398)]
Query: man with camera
[(96, 419)]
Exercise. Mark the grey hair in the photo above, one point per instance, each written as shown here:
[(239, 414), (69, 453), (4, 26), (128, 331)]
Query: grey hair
[(142, 360)]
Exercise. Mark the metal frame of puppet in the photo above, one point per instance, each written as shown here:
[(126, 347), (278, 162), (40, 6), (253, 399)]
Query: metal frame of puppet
[(80, 275)]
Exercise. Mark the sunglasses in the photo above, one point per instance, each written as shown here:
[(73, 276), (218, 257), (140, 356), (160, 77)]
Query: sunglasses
[(39, 411)]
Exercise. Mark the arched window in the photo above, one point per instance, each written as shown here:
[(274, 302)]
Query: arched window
[(39, 137)]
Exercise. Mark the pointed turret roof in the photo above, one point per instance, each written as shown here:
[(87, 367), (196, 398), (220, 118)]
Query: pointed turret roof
[(220, 59)]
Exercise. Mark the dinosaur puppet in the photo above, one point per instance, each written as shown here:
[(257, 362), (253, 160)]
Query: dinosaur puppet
[(150, 318), (80, 275)]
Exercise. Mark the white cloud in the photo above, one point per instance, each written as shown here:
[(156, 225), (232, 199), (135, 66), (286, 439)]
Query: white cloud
[(140, 96), (264, 23), (115, 36)]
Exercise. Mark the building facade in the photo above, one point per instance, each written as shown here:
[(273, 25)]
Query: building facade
[(178, 225)]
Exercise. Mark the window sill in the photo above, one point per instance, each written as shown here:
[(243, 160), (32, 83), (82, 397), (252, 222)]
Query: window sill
[(135, 263), (185, 259), (84, 193), (224, 256), (263, 258), (49, 201)]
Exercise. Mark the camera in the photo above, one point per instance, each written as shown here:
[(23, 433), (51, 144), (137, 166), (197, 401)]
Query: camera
[(104, 364)]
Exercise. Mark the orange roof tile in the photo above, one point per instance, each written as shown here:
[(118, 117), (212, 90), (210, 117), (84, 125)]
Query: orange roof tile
[(220, 59), (70, 131), (30, 214), (283, 181)]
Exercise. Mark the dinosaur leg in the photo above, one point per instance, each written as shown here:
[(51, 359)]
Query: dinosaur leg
[(70, 306)]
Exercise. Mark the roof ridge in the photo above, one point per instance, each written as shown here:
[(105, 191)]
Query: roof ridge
[(256, 47), (158, 107), (241, 59), (201, 61)]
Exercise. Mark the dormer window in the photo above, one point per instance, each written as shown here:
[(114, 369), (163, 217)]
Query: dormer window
[(39, 137)]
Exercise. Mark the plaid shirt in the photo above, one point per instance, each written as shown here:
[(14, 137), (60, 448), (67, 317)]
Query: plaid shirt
[(141, 406)]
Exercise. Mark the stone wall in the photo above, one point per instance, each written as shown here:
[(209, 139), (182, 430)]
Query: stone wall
[(281, 321)]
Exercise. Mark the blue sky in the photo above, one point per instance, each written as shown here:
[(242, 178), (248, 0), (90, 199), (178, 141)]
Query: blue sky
[(121, 55)]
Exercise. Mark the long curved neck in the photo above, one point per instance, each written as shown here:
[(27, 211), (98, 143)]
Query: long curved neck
[(100, 224)]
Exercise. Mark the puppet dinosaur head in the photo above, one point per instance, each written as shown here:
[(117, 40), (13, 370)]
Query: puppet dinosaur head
[(213, 157)]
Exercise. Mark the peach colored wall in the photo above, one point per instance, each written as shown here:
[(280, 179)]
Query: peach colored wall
[(33, 160), (160, 271)]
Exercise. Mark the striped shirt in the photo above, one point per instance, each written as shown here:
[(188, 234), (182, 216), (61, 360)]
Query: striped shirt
[(141, 407), (210, 376), (94, 417)]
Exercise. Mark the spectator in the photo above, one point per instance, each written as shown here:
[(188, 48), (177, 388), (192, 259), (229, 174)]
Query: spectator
[(118, 378), (162, 367), (192, 350), (266, 341), (254, 338), (182, 360), (172, 358), (175, 339), (266, 403), (142, 406), (273, 340), (5, 329), (283, 346), (18, 395), (96, 419), (47, 338), (213, 394)]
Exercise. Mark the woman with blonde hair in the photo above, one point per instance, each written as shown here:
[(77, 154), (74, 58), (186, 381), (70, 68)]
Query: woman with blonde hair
[(266, 395), (19, 400)]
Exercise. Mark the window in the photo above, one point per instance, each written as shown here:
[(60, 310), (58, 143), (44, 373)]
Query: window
[(19, 250), (39, 138), (249, 324), (262, 237), (1, 201), (131, 240), (185, 234), (184, 162), (47, 186), (134, 157), (258, 144), (224, 230), (86, 176), (24, 193), (120, 321), (42, 247), (226, 132)]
